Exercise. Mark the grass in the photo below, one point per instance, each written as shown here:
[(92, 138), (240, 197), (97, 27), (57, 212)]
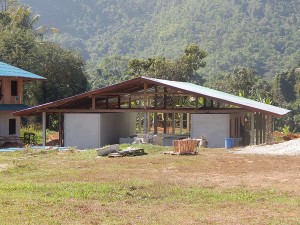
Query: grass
[(37, 131), (214, 187)]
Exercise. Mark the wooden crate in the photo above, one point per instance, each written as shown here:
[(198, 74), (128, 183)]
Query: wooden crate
[(185, 146)]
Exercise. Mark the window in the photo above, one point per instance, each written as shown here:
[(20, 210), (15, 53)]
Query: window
[(14, 88), (12, 126)]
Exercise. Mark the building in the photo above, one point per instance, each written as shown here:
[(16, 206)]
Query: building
[(11, 99), (142, 105)]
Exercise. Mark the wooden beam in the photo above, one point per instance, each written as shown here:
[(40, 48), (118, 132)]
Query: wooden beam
[(93, 102), (152, 110), (141, 93)]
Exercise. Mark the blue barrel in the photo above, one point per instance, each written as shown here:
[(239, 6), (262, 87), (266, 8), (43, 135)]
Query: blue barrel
[(229, 142)]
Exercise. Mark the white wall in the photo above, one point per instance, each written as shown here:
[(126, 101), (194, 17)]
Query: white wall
[(96, 130), (82, 130), (4, 124), (214, 126)]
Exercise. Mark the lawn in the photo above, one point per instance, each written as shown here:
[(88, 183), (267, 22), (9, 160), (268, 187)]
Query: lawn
[(214, 187)]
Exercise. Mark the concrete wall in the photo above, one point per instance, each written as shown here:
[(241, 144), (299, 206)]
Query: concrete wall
[(82, 130), (4, 124), (116, 125), (95, 130), (215, 127)]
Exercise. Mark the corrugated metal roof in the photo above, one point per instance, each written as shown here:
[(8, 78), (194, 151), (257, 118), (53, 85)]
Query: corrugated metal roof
[(221, 96), (13, 107), (7, 70), (188, 88)]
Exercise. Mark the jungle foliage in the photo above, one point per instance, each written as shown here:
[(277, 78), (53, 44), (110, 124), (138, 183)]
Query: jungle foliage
[(248, 48), (259, 34), (23, 46)]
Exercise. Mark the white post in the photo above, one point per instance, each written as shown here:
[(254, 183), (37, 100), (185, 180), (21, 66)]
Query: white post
[(44, 128)]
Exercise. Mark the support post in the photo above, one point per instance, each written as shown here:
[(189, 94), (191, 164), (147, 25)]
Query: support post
[(155, 114), (145, 108), (93, 102), (44, 128), (188, 122), (173, 123), (252, 129), (181, 116), (165, 114), (59, 130)]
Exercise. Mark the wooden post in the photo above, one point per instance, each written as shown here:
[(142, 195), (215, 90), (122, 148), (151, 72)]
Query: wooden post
[(155, 114), (129, 102), (107, 102), (44, 127), (257, 128), (140, 122), (119, 102), (60, 130), (188, 122), (173, 123), (252, 129), (181, 116), (145, 107), (93, 102), (165, 114), (165, 122), (269, 130)]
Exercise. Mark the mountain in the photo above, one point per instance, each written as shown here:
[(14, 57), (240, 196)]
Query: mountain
[(260, 34)]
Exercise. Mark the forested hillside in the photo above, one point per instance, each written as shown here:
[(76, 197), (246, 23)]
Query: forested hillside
[(259, 34)]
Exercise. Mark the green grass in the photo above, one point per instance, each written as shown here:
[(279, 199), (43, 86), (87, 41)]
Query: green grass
[(73, 187), (37, 131)]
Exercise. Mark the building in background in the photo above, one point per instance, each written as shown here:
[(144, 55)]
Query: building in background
[(12, 99)]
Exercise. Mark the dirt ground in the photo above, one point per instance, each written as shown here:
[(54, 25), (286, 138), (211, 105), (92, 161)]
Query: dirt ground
[(218, 169), (228, 170)]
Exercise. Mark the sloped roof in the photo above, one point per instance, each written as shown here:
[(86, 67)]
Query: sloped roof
[(13, 107), (223, 96), (7, 70), (137, 84)]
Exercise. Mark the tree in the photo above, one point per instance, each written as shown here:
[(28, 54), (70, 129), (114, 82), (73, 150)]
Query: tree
[(183, 69), (21, 47), (110, 70), (64, 70), (243, 82)]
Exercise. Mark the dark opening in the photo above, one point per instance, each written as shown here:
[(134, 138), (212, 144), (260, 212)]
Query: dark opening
[(14, 88), (12, 126)]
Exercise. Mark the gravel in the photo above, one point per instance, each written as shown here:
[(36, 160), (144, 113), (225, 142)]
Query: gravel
[(285, 148)]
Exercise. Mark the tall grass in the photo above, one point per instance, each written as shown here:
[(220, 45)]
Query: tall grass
[(37, 131)]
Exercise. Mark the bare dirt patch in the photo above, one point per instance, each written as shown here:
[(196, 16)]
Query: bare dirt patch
[(3, 167)]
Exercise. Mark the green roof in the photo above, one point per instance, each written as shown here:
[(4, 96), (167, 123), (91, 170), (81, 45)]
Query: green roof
[(222, 96), (7, 70), (13, 107)]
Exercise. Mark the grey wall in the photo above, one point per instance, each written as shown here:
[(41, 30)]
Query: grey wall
[(214, 126), (96, 130)]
